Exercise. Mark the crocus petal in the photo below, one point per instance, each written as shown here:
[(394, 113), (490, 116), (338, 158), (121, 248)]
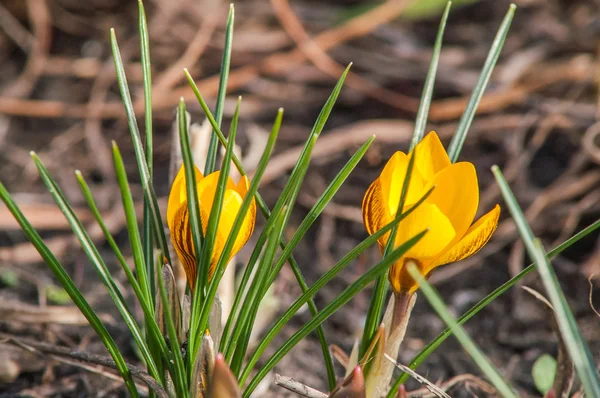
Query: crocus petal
[(177, 194), (400, 279), (250, 218), (207, 189), (456, 194), (374, 211), (181, 237), (243, 186), (178, 218), (426, 216), (431, 157), (392, 181), (232, 202), (475, 238), (247, 228)]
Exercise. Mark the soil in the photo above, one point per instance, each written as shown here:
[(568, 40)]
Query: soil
[(538, 121)]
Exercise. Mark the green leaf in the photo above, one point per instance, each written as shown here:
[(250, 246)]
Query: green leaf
[(316, 131), (321, 316), (543, 373), (211, 156), (422, 113), (57, 295), (376, 306), (201, 308), (9, 278), (318, 208), (193, 204), (145, 176), (217, 205), (254, 184), (461, 335), (146, 306), (75, 294), (432, 346), (576, 345), (98, 262), (246, 320), (132, 226), (147, 79), (467, 117), (180, 377), (261, 282), (321, 282)]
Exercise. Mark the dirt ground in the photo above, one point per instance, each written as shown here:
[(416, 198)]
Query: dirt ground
[(538, 120)]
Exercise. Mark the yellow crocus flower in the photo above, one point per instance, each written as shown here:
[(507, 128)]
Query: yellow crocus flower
[(448, 212), (179, 224)]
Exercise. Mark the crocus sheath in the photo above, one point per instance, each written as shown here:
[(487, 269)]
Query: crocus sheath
[(179, 223), (447, 213)]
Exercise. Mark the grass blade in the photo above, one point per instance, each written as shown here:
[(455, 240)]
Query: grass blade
[(132, 226), (435, 343), (147, 240), (486, 72), (254, 184), (259, 285), (576, 345), (321, 316), (201, 307), (246, 288), (376, 305), (72, 290), (316, 131), (217, 205), (211, 157), (180, 377), (191, 190), (89, 198), (246, 321), (317, 128), (147, 307), (461, 335), (96, 259), (145, 176), (318, 208), (321, 282), (421, 120)]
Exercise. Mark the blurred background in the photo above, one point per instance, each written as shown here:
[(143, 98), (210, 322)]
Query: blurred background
[(538, 120)]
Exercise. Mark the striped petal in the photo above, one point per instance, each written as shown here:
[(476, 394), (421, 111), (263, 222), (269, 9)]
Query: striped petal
[(475, 238), (178, 218), (374, 212), (181, 236)]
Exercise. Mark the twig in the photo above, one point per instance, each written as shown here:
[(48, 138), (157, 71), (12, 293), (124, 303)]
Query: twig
[(193, 52), (39, 15), (294, 386), (447, 385), (13, 29), (326, 64), (590, 296), (438, 392), (89, 358)]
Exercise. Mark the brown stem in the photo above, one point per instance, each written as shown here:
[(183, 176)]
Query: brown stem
[(403, 303)]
